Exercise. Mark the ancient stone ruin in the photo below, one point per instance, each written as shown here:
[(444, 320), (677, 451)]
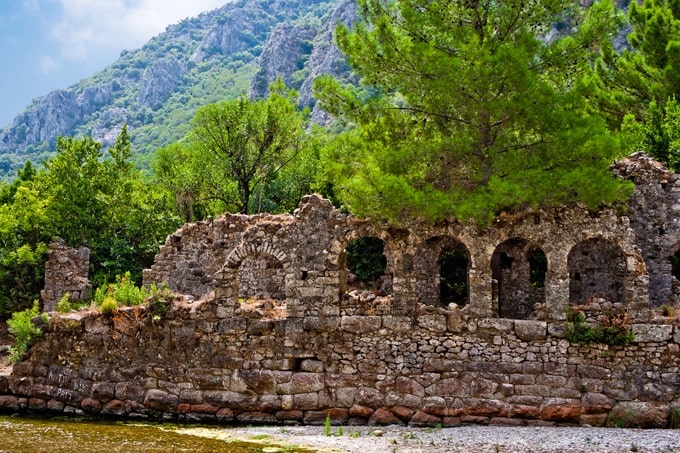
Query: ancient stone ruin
[(465, 325), (66, 272)]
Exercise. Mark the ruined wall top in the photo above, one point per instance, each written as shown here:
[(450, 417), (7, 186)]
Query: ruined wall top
[(532, 265), (66, 271)]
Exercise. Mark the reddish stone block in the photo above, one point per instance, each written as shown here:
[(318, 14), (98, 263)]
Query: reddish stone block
[(384, 416), (404, 413), (421, 419)]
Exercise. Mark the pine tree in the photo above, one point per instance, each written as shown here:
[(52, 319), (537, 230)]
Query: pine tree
[(636, 88), (469, 108)]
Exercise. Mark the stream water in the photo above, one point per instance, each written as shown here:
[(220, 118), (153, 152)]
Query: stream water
[(28, 435)]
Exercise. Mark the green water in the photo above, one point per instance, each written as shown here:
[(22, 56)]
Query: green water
[(25, 435)]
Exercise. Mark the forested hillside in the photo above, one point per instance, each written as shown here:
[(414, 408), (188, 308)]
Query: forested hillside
[(155, 90)]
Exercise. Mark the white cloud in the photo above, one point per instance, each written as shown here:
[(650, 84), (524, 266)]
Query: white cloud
[(90, 26), (47, 64)]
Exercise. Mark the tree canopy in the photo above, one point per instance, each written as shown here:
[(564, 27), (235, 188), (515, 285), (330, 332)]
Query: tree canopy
[(638, 88), (468, 109), (242, 155)]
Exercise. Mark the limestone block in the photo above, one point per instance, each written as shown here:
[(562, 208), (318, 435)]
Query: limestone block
[(433, 323), (638, 414), (531, 330), (496, 325), (656, 333), (159, 400), (560, 410), (360, 324)]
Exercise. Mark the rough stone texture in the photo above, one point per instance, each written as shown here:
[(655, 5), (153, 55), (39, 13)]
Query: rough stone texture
[(66, 271), (273, 333)]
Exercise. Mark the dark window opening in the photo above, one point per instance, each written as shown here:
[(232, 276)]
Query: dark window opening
[(675, 264), (506, 261), (538, 267), (518, 270), (453, 276), (366, 261)]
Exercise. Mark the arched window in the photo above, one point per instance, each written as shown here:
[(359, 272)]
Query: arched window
[(518, 268), (597, 268)]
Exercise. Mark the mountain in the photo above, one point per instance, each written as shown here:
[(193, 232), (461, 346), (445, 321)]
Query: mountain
[(239, 48)]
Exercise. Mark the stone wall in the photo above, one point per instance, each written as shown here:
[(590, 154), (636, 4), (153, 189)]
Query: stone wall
[(436, 366), (66, 271), (268, 328)]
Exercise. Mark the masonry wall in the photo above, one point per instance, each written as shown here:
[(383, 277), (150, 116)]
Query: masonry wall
[(268, 328), (436, 367)]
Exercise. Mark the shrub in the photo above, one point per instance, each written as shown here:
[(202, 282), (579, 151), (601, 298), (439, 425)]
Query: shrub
[(612, 328), (159, 300), (64, 304), (126, 292), (23, 331), (109, 305)]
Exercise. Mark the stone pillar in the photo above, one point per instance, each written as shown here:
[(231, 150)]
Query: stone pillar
[(66, 271)]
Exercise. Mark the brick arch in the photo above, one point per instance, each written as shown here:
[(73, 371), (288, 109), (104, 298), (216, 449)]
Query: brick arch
[(244, 250)]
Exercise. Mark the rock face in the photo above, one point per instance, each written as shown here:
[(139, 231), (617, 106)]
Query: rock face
[(269, 330), (198, 59)]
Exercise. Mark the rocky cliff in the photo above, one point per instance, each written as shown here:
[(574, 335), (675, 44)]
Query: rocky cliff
[(238, 48)]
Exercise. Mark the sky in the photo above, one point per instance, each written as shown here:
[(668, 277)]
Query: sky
[(51, 44)]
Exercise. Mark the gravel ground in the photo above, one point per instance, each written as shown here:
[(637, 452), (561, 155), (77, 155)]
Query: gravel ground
[(468, 439)]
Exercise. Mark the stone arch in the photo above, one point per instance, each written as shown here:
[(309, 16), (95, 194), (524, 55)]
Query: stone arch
[(242, 251), (518, 270), (265, 258), (442, 268), (597, 268)]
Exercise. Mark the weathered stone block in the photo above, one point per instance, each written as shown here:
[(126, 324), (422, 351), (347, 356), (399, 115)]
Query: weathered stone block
[(372, 398), (656, 333), (638, 414), (302, 383), (560, 410), (423, 419), (433, 323), (596, 403), (495, 325), (531, 330), (360, 324), (160, 400), (384, 416)]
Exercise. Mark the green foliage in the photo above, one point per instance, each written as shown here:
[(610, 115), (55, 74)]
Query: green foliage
[(23, 331), (87, 198), (108, 305), (327, 425), (158, 300), (365, 259), (64, 304), (675, 418), (470, 120), (241, 155), (126, 292), (612, 329), (637, 88)]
